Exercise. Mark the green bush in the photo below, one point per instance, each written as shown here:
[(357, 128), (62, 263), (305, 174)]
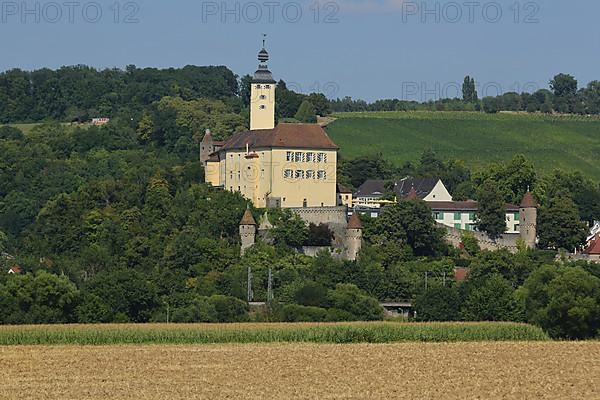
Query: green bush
[(438, 304), (299, 313), (335, 315), (349, 298), (311, 294), (229, 309), (201, 309)]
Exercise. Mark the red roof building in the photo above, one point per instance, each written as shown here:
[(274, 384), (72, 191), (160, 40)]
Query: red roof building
[(593, 248), (15, 270)]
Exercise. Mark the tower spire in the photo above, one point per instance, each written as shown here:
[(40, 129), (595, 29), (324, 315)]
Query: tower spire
[(262, 93)]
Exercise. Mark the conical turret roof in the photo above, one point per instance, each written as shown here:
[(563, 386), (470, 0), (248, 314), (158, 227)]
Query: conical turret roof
[(412, 195), (354, 222), (528, 201), (247, 219)]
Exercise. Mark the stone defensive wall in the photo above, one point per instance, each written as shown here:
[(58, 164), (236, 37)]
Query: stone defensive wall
[(507, 241)]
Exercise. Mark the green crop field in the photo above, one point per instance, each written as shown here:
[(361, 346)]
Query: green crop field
[(358, 332), (567, 142)]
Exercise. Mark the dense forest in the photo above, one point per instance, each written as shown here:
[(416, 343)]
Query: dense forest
[(113, 224)]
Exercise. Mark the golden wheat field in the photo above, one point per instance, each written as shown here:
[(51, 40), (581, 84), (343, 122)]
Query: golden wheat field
[(499, 370)]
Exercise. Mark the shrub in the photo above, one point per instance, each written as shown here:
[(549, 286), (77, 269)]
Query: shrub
[(229, 309), (438, 304), (489, 299), (311, 294), (350, 298), (335, 315), (201, 309), (298, 313)]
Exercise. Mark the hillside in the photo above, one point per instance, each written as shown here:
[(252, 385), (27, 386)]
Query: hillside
[(567, 142)]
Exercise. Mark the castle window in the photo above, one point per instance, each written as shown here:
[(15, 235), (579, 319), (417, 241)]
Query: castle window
[(310, 157), (288, 174), (262, 107), (457, 216), (289, 156), (299, 174), (310, 174), (267, 86), (299, 157), (262, 97), (258, 87), (322, 175)]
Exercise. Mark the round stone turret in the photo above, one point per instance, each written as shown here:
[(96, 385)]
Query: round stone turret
[(528, 222), (353, 237), (247, 231)]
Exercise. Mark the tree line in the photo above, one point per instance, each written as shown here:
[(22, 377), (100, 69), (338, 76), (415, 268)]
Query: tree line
[(79, 93), (564, 96)]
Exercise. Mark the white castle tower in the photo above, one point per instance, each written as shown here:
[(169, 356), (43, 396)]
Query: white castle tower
[(262, 95)]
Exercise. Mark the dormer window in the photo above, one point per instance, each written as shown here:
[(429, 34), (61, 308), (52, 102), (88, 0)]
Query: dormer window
[(267, 86), (258, 87)]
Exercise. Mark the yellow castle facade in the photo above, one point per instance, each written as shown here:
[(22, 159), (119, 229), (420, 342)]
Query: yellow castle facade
[(274, 166)]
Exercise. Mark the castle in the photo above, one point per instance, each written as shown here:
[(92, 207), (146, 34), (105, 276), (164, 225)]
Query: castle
[(293, 166), (288, 165)]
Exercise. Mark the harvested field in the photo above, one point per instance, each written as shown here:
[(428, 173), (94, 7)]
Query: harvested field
[(498, 370)]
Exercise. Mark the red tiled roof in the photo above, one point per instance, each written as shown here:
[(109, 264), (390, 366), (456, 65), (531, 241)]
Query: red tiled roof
[(528, 201), (594, 247), (468, 205), (354, 222), (247, 219), (15, 270), (301, 136)]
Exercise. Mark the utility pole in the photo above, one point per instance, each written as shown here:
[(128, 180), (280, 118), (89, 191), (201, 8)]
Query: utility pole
[(270, 287), (426, 280), (250, 293)]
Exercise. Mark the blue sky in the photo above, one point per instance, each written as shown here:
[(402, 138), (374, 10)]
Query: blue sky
[(366, 49)]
